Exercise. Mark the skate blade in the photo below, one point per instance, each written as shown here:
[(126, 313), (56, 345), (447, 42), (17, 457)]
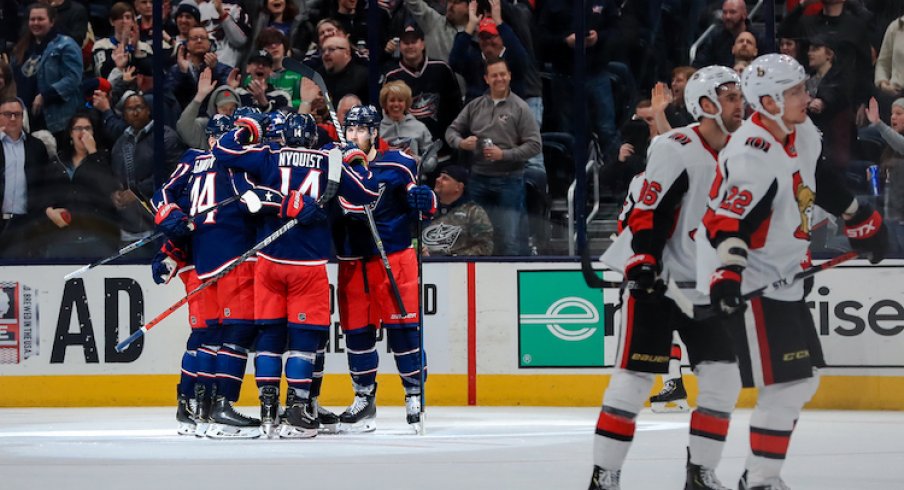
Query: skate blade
[(221, 431), (186, 429), (269, 431), (419, 427), (292, 432), (365, 425), (329, 428), (201, 429), (676, 406)]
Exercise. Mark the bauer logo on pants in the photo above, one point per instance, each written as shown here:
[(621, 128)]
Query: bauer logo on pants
[(18, 323), (560, 320)]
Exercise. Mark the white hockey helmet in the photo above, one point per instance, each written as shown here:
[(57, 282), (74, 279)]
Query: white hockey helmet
[(772, 75), (705, 82)]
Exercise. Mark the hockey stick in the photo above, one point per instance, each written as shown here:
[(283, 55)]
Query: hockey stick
[(144, 241), (194, 292), (306, 71), (703, 312)]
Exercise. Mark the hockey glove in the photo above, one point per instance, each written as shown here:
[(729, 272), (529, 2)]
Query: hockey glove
[(352, 155), (867, 233), (725, 290), (172, 221), (301, 207), (167, 262), (250, 128), (422, 198), (642, 271)]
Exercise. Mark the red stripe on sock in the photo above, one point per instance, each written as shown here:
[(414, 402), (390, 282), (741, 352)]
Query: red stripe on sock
[(710, 424), (772, 443), (676, 352), (615, 425)]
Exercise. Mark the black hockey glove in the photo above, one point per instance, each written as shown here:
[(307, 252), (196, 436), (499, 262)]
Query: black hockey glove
[(867, 233), (642, 272), (725, 290)]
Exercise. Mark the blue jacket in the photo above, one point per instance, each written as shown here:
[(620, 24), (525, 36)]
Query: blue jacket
[(60, 81)]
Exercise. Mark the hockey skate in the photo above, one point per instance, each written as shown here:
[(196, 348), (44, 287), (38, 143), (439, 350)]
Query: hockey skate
[(202, 411), (604, 479), (269, 398), (700, 478), (361, 415), (774, 484), (185, 416), (672, 398), (329, 421), (300, 421), (226, 423), (413, 413)]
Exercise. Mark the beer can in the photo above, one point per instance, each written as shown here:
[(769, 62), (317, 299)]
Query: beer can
[(872, 176), (486, 143)]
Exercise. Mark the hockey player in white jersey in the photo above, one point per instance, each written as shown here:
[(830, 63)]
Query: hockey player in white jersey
[(756, 230), (680, 168)]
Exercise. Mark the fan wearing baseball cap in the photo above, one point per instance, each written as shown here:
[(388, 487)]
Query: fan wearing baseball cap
[(461, 227)]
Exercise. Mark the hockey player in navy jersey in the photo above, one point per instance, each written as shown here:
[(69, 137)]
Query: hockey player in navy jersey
[(174, 258), (365, 299), (756, 229), (291, 288), (658, 245)]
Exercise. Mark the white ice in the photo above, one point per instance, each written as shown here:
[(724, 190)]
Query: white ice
[(471, 448)]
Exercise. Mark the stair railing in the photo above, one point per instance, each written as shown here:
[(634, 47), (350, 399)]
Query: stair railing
[(593, 166)]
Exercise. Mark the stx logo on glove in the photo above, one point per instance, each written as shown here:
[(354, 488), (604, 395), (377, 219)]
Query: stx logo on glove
[(864, 230)]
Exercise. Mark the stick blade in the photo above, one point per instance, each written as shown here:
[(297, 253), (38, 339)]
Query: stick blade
[(76, 273)]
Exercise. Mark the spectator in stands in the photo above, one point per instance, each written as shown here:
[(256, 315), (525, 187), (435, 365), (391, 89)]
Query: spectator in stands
[(134, 165), (716, 48), (354, 17), (191, 125), (830, 104), (441, 29), (276, 43), (395, 98), (48, 69), (668, 101), (285, 18), (435, 93), (556, 33), (631, 158), (891, 167), (191, 60), (71, 19), (744, 47), (23, 185), (889, 75), (144, 19), (257, 90), (279, 14), (461, 227), (80, 207), (231, 30), (7, 80), (187, 16), (846, 24), (499, 132), (119, 50), (340, 75)]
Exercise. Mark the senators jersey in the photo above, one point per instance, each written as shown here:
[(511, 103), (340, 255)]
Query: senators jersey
[(277, 170), (222, 235), (618, 253), (765, 193), (394, 174)]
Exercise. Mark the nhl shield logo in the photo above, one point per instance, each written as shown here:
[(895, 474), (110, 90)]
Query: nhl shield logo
[(302, 317), (226, 312)]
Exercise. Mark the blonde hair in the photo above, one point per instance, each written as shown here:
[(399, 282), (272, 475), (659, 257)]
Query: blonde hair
[(398, 89)]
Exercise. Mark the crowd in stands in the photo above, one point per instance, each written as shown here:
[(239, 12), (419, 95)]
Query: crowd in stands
[(77, 86)]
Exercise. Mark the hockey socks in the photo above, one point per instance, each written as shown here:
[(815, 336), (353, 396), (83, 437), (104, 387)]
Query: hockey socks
[(406, 349), (232, 358), (302, 356), (269, 347), (675, 362), (708, 431), (362, 356), (319, 362), (614, 435), (206, 357), (190, 364)]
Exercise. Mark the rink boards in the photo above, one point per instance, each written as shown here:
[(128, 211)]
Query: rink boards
[(497, 333)]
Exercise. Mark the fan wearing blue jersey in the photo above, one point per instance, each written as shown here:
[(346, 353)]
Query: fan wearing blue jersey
[(365, 299)]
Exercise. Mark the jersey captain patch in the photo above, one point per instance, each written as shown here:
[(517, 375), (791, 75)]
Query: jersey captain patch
[(758, 143), (681, 138)]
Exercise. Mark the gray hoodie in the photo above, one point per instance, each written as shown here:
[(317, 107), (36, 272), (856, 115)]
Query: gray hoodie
[(192, 127), (408, 127)]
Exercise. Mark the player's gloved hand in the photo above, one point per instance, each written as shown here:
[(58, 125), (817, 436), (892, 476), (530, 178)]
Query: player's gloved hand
[(250, 128), (643, 271), (301, 207), (725, 290), (422, 198), (867, 233), (172, 221), (163, 268), (352, 155)]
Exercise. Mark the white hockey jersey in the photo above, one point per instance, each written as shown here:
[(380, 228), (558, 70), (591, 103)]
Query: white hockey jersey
[(620, 250), (671, 202), (764, 193)]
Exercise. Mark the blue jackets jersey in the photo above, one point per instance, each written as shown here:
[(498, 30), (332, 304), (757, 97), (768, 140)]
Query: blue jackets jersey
[(395, 173), (276, 171)]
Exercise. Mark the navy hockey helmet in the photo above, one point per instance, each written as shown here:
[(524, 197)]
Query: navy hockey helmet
[(301, 130), (276, 127), (245, 110), (363, 115), (219, 124)]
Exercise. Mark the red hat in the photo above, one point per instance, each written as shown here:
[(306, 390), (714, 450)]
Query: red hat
[(487, 26)]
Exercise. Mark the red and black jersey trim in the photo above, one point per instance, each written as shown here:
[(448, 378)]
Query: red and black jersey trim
[(653, 227), (752, 227)]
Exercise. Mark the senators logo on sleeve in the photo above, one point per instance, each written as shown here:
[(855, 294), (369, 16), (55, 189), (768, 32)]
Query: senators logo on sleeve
[(681, 138), (758, 143), (806, 198)]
